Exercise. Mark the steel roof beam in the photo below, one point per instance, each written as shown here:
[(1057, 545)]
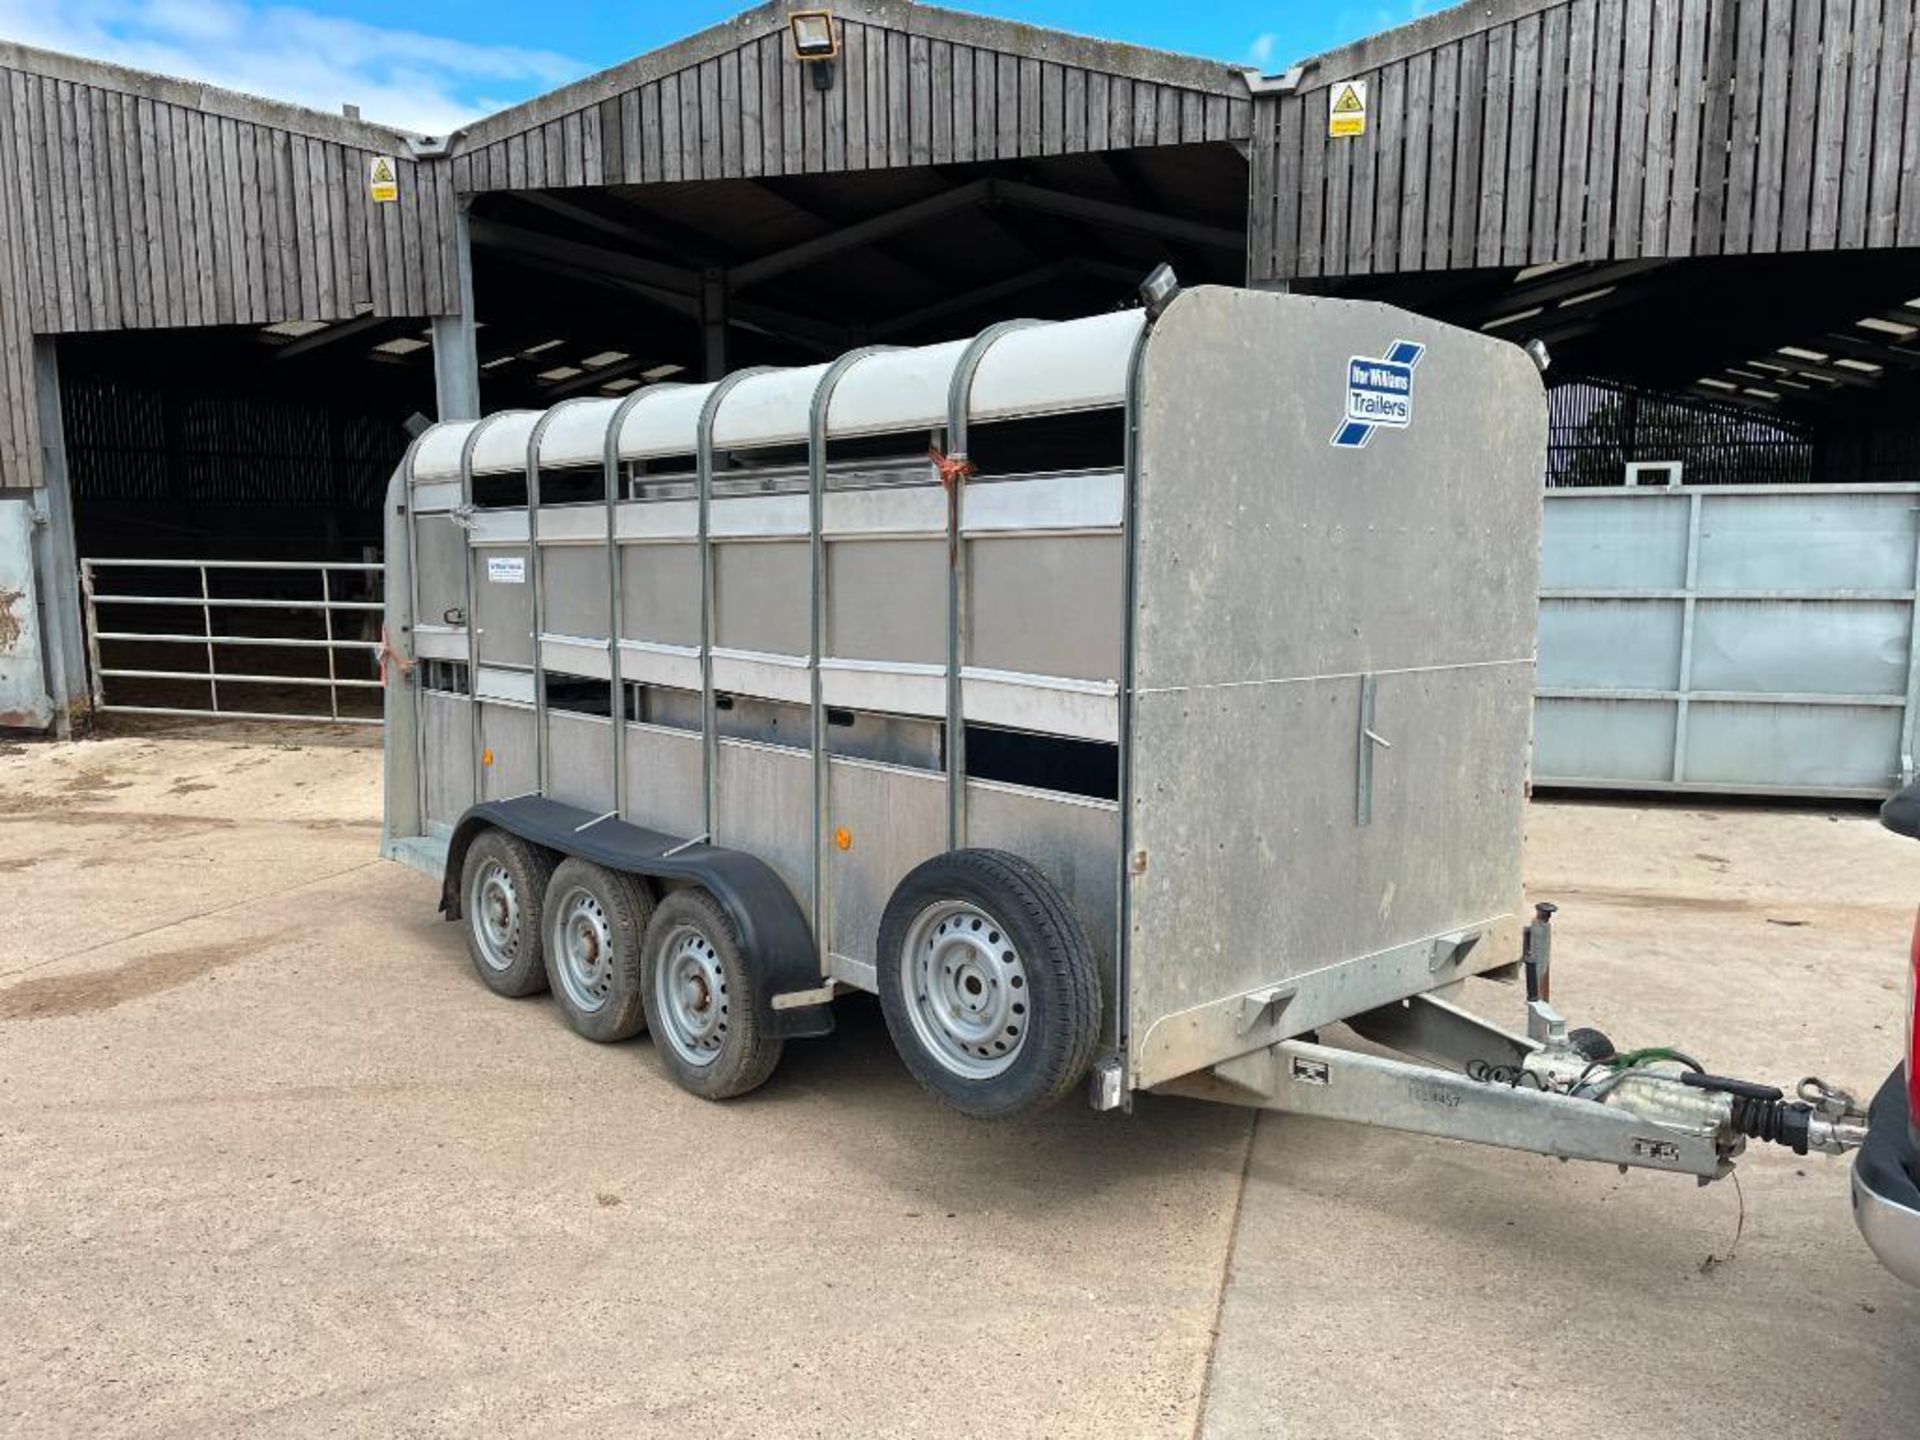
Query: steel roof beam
[(861, 232), (1119, 217), (345, 330), (578, 256)]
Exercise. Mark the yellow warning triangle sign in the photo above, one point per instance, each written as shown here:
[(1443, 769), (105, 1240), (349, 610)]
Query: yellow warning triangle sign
[(1347, 102), (382, 171)]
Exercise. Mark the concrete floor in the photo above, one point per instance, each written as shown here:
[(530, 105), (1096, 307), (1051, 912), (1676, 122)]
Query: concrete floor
[(272, 1162)]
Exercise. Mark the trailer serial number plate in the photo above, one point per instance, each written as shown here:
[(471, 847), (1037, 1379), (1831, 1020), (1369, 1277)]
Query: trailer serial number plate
[(1310, 1072)]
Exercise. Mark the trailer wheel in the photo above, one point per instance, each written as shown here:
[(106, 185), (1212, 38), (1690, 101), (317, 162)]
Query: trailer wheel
[(595, 920), (700, 996), (988, 983), (502, 888)]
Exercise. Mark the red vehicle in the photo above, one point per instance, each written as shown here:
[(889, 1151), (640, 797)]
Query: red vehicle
[(1886, 1171)]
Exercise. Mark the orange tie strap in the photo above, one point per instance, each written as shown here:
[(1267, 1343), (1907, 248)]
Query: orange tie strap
[(953, 471), (389, 655)]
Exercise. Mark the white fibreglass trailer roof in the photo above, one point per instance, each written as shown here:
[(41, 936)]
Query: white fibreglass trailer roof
[(1037, 370)]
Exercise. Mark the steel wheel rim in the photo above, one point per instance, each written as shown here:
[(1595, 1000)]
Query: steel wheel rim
[(690, 992), (966, 989), (582, 946), (494, 905)]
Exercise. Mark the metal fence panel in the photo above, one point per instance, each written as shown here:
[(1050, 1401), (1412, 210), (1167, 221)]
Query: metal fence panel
[(204, 625), (1731, 639)]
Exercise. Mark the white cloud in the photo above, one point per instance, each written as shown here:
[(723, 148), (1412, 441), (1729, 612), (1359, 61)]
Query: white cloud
[(1260, 52), (400, 77)]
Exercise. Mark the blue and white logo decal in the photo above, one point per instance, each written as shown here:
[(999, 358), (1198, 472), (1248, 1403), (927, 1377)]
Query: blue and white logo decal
[(1379, 393)]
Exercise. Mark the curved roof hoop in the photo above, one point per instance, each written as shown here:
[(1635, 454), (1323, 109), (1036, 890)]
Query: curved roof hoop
[(959, 402)]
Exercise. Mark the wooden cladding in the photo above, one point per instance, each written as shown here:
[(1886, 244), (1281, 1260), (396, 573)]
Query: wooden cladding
[(132, 212), (1598, 130), (898, 99)]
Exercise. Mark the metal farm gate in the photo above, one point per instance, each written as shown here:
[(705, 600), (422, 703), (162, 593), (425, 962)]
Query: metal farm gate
[(1731, 639)]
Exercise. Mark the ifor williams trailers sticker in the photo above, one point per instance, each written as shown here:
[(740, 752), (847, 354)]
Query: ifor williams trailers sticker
[(1379, 393)]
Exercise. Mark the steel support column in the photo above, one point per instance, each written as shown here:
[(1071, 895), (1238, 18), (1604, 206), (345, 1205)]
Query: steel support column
[(713, 321), (55, 555), (456, 350)]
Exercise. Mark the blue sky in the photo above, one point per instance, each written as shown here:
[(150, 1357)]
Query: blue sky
[(438, 63)]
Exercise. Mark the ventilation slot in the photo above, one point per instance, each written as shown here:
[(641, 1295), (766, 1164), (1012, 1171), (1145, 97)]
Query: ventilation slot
[(1088, 768), (575, 485), (579, 695), (444, 677), (1049, 444)]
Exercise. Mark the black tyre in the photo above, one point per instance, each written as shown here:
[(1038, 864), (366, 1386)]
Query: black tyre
[(503, 884), (989, 986), (595, 921), (700, 995)]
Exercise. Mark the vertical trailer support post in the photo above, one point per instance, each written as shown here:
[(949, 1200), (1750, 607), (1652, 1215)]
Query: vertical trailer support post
[(401, 509), (1112, 1084), (464, 516), (403, 750), (703, 458), (616, 595), (817, 560), (536, 600), (1545, 1025), (959, 402)]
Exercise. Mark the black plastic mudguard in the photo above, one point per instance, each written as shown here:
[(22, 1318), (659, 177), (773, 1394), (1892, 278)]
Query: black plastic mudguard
[(773, 931)]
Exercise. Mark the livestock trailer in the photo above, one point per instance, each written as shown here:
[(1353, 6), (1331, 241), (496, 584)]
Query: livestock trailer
[(1123, 700)]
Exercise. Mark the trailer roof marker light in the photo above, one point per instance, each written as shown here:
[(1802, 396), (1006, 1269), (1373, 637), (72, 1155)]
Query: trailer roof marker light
[(843, 838), (1158, 290)]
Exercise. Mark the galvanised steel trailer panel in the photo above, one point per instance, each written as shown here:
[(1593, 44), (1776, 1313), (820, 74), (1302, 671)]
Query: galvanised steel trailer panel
[(1331, 671), (1328, 645)]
